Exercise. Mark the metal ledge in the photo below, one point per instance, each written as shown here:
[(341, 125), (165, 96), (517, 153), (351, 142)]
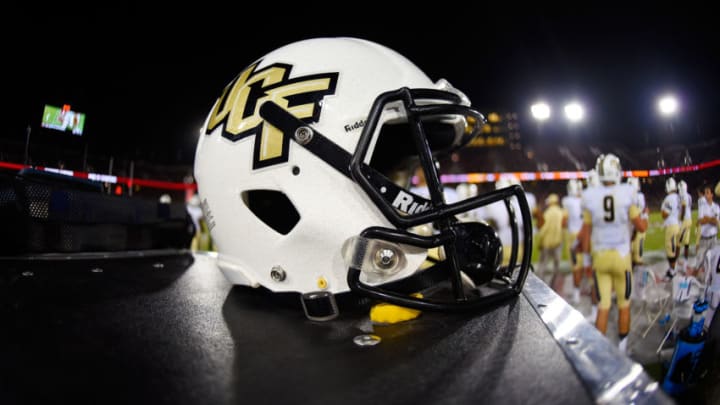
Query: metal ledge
[(609, 375)]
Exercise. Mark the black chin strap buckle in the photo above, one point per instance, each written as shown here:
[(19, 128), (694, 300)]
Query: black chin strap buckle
[(319, 305)]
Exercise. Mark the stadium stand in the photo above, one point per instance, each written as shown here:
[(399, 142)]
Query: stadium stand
[(581, 157), (54, 213), (575, 156)]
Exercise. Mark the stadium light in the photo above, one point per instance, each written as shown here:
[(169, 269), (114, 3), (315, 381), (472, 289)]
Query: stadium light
[(668, 105), (540, 111), (574, 112)]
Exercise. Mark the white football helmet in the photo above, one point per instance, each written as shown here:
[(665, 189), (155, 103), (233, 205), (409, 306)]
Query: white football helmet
[(670, 185), (608, 168), (465, 191), (502, 182), (682, 187), (593, 180), (574, 187), (302, 168), (634, 182)]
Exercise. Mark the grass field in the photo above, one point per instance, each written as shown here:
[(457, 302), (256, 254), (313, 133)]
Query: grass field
[(654, 236)]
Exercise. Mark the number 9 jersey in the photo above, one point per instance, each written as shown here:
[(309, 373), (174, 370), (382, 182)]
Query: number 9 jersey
[(610, 209)]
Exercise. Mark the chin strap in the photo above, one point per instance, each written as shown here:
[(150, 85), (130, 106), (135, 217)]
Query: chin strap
[(323, 306)]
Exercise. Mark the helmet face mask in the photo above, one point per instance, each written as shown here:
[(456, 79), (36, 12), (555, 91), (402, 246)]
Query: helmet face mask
[(477, 260), (334, 165)]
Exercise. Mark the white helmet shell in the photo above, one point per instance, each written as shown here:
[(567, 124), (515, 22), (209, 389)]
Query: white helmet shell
[(670, 185), (593, 180), (574, 187), (634, 182), (682, 187), (333, 82), (608, 168), (283, 215)]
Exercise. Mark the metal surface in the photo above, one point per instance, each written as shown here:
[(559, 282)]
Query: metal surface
[(366, 340), (610, 376)]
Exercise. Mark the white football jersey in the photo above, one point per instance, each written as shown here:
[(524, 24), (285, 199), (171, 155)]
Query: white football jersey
[(709, 210), (532, 204), (609, 208), (687, 200), (671, 205), (711, 264), (640, 200), (572, 204), (586, 190), (497, 213), (531, 200), (641, 204), (701, 201), (685, 288)]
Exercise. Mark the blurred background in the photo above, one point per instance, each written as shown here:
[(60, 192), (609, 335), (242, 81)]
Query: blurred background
[(557, 89)]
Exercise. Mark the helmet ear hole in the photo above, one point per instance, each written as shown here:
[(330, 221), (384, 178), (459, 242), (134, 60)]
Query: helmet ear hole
[(273, 208)]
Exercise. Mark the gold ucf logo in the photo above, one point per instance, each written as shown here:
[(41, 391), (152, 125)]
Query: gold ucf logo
[(239, 105)]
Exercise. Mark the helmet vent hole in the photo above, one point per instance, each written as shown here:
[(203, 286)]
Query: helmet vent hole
[(295, 170), (273, 208)]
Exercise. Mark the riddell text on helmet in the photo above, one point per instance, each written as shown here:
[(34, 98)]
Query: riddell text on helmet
[(406, 203), (354, 126)]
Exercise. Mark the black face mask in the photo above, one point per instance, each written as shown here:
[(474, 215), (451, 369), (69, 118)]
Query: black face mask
[(469, 276)]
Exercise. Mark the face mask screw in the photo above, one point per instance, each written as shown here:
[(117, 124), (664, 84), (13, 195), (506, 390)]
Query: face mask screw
[(277, 273), (303, 135), (385, 258)]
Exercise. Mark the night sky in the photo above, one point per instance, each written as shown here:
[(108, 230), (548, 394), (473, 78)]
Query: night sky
[(147, 80)]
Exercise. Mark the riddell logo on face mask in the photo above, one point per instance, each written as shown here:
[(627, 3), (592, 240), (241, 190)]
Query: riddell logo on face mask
[(405, 202)]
